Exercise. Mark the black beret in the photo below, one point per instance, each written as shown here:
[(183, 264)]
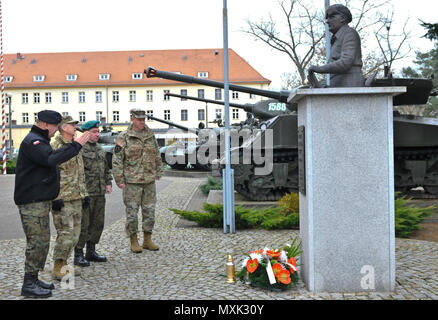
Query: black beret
[(49, 116)]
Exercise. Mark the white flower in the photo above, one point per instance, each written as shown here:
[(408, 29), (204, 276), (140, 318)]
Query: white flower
[(283, 256), (244, 262), (257, 256)]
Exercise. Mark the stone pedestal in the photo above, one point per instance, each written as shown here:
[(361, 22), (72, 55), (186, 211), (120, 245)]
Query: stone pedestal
[(347, 188)]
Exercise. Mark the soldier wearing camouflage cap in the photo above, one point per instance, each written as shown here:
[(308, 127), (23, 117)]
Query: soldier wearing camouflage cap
[(36, 185), (136, 166), (72, 198), (98, 181)]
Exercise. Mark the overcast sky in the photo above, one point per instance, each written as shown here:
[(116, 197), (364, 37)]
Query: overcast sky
[(31, 26)]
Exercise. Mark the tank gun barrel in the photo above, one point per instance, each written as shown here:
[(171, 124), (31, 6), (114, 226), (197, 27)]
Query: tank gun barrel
[(234, 105), (195, 131), (151, 72)]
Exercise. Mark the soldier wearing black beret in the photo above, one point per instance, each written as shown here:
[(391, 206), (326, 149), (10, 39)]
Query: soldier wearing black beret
[(36, 185)]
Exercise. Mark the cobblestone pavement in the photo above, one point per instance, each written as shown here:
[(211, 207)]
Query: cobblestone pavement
[(191, 263)]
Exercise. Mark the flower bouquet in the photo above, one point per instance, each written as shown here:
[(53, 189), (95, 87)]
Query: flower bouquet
[(272, 269)]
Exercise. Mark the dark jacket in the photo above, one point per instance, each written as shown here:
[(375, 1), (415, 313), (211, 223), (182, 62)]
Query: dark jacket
[(37, 172), (345, 62)]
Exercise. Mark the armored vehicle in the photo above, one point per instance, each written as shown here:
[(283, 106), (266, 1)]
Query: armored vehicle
[(415, 143)]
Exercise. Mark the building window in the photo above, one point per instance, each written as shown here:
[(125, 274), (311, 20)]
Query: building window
[(98, 115), (252, 96), (183, 93), (36, 97), (98, 96), (71, 77), (235, 114), (8, 78), (104, 76), (217, 94), (166, 114), (201, 93), (24, 98), (137, 76), (235, 95), (132, 96), (65, 114), (35, 117), (65, 97), (115, 96), (7, 118), (81, 116), (149, 95), (184, 115), (149, 113), (116, 116), (81, 97), (201, 114), (202, 74), (48, 97), (166, 97), (218, 114), (38, 78), (25, 117), (8, 99)]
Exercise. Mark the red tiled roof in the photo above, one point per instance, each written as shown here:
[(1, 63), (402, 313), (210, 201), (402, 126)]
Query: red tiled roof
[(121, 65)]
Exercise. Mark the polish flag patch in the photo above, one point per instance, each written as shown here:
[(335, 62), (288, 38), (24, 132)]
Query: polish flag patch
[(35, 143)]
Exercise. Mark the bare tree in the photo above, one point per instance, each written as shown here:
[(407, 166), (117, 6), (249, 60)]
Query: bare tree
[(299, 32)]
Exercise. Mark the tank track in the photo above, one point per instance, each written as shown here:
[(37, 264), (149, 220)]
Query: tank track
[(263, 188), (405, 177)]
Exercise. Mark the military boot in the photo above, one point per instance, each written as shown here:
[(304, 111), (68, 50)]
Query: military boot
[(31, 288), (147, 242), (135, 247), (79, 259), (92, 255), (45, 285)]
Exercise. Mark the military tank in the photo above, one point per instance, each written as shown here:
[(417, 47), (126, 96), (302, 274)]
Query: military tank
[(415, 143)]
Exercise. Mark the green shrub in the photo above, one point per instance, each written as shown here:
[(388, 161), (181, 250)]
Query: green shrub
[(408, 217), (291, 202), (212, 184), (10, 166)]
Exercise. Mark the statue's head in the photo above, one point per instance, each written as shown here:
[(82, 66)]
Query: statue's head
[(336, 16)]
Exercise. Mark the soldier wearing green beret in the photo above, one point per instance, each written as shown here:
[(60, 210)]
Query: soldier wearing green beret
[(72, 198), (98, 181), (136, 166)]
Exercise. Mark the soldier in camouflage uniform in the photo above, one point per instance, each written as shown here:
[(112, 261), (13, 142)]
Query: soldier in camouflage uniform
[(98, 180), (36, 185), (136, 166), (72, 198)]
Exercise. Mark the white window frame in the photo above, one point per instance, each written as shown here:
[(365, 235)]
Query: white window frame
[(39, 78), (98, 96), (149, 113), (132, 95), (64, 96), (116, 96), (82, 117), (81, 97), (116, 116), (36, 97), (149, 95), (99, 115), (218, 114), (25, 98), (104, 76), (166, 98), (8, 78), (137, 76), (201, 112), (202, 74), (25, 117), (167, 115), (48, 96), (235, 114), (235, 95), (216, 91), (184, 115), (71, 77)]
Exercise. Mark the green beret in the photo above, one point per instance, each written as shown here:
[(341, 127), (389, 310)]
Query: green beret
[(90, 125)]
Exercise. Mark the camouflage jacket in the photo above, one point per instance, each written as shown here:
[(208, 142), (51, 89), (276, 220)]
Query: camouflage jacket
[(136, 157), (71, 173), (97, 171)]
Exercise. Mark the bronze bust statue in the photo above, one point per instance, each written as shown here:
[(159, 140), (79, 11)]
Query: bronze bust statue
[(345, 61)]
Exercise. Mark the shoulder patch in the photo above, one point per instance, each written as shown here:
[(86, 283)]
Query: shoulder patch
[(117, 148), (36, 142)]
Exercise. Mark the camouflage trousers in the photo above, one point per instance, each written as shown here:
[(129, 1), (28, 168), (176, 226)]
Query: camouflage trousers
[(137, 196), (35, 221), (92, 223), (68, 225)]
